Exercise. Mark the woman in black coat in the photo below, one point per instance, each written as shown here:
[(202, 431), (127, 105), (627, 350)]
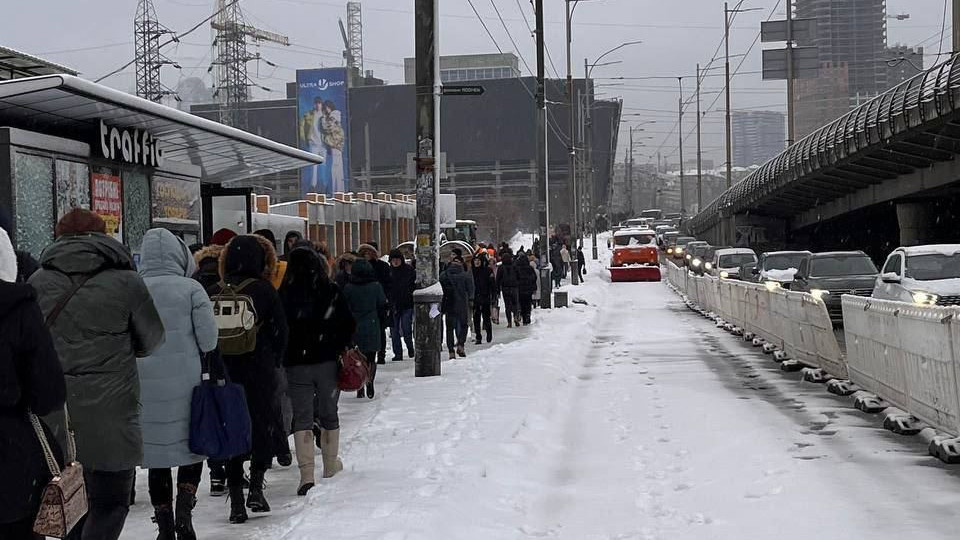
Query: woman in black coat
[(321, 327), (249, 257), (30, 378)]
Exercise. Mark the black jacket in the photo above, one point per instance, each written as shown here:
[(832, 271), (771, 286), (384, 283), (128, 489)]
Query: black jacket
[(507, 277), (30, 377), (403, 282), (484, 283), (318, 315), (527, 277), (458, 290), (384, 276)]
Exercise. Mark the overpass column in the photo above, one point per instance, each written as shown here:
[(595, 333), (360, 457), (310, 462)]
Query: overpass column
[(914, 223)]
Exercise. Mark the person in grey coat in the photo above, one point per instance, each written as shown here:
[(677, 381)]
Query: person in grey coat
[(168, 377), (458, 290), (107, 324)]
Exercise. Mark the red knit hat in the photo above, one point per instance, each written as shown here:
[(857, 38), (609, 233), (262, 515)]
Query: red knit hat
[(221, 237), (80, 221)]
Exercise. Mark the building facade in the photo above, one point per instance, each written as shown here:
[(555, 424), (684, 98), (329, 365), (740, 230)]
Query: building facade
[(469, 67), (758, 136)]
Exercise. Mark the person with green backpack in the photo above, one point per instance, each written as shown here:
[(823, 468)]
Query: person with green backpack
[(252, 329)]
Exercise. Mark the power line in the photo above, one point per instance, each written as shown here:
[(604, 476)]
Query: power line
[(510, 36), (546, 49)]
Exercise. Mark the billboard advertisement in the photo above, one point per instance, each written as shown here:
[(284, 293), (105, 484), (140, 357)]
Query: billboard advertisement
[(107, 202), (176, 202), (324, 129)]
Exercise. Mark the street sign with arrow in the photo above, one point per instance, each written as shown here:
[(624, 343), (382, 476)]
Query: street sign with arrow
[(462, 90)]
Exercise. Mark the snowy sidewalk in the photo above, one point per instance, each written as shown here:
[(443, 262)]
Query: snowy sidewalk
[(626, 418)]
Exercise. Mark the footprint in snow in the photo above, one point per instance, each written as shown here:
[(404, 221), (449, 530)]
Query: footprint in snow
[(428, 490), (385, 509), (430, 449)]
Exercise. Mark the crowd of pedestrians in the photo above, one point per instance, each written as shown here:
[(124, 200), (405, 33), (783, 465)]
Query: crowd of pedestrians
[(109, 354)]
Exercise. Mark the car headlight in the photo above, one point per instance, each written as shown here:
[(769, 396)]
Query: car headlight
[(819, 293), (708, 266), (724, 274), (772, 285), (679, 250), (696, 262), (925, 299), (669, 250), (689, 257)]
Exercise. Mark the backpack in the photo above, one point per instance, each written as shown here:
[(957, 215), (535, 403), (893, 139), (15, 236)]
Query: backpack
[(236, 319)]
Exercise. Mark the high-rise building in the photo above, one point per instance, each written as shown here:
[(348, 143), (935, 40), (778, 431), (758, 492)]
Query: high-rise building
[(469, 67), (855, 62), (758, 136)]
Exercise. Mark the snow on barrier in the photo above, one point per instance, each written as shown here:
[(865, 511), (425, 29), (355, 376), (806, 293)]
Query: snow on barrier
[(795, 323), (906, 354)]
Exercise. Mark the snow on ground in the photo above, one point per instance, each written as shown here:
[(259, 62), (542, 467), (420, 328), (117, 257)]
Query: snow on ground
[(626, 418), (521, 240)]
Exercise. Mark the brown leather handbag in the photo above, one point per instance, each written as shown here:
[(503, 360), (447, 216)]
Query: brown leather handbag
[(64, 500)]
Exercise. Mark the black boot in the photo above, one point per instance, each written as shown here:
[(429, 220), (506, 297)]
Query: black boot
[(317, 433), (238, 512), (478, 341), (163, 517), (186, 500), (256, 502), (489, 336), (370, 390), (218, 478), (361, 393)]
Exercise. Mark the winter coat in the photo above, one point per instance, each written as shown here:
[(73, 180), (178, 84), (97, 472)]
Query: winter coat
[(208, 266), (30, 377), (527, 277), (368, 305), (169, 374), (507, 277), (403, 282), (581, 260), (253, 257), (565, 255), (106, 326), (384, 276), (318, 315), (484, 283), (536, 270), (458, 290)]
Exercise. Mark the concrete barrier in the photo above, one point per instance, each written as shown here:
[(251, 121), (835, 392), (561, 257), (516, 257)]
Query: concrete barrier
[(906, 354)]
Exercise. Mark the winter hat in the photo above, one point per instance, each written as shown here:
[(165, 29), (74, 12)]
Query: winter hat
[(221, 237), (367, 250), (396, 254), (268, 234), (80, 221), (8, 259)]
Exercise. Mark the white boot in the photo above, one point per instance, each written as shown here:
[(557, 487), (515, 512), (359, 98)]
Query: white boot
[(306, 461), (330, 441)]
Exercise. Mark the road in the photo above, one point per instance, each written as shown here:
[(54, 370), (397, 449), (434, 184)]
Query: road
[(628, 417)]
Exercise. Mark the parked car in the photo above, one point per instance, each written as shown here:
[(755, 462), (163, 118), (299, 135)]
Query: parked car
[(830, 275), (634, 246), (777, 267), (691, 248), (725, 263), (926, 275), (679, 248)]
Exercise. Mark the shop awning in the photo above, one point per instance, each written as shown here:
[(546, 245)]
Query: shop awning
[(64, 104), (15, 64)]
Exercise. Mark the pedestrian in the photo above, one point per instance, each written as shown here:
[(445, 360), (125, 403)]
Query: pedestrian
[(321, 327), (527, 278), (33, 382), (534, 263), (168, 377), (370, 251), (107, 321), (509, 282), (556, 264), (458, 289), (289, 240), (368, 303), (281, 261), (484, 296), (403, 282), (581, 261), (343, 269), (26, 264), (565, 258), (247, 265)]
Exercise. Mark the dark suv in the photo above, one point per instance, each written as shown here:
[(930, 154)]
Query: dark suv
[(831, 275)]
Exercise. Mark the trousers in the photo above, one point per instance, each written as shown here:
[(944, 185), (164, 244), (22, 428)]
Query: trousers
[(160, 482), (511, 300), (314, 385), (108, 501), (481, 314), (526, 306), (456, 325), (402, 330)]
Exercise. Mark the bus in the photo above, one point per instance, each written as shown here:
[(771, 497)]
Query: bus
[(465, 231)]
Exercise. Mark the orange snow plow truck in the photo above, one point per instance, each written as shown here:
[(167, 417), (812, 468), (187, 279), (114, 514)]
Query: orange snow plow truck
[(635, 256)]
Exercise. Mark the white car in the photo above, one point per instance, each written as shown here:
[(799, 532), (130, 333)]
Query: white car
[(926, 275), (727, 262)]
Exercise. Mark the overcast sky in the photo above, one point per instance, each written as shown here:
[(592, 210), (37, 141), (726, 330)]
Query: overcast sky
[(96, 36)]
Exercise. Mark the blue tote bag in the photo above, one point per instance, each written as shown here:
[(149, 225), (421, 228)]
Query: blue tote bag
[(219, 419)]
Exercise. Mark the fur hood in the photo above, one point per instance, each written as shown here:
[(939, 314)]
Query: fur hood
[(249, 255), (209, 252)]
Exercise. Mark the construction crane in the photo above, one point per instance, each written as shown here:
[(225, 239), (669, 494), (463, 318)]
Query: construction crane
[(230, 78), (353, 37)]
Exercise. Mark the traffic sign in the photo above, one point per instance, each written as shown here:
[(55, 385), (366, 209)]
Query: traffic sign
[(462, 90)]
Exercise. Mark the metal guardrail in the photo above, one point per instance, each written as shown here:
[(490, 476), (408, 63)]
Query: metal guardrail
[(912, 104)]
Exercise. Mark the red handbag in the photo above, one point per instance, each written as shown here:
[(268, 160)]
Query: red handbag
[(354, 371)]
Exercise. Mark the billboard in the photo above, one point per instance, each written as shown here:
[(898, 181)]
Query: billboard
[(324, 129), (107, 202)]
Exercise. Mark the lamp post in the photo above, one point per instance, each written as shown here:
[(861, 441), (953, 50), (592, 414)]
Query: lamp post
[(588, 135), (726, 41)]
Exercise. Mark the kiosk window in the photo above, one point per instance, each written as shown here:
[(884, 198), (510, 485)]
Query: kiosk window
[(34, 202)]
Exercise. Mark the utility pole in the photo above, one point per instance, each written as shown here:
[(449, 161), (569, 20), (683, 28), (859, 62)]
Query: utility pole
[(699, 150), (726, 44), (428, 297), (630, 176), (791, 129), (572, 148), (543, 168), (956, 26), (683, 195), (588, 129)]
